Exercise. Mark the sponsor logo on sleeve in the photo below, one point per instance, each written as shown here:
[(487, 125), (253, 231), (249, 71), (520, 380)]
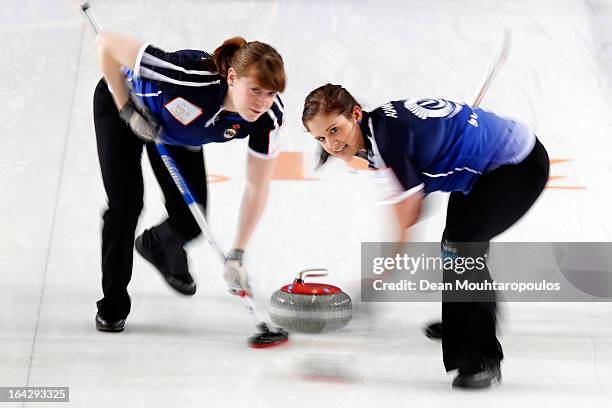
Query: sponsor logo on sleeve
[(424, 108), (229, 133)]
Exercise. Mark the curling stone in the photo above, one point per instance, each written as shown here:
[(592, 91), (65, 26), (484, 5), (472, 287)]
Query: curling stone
[(310, 307)]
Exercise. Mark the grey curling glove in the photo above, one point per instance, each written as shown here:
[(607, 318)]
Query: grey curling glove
[(144, 128), (235, 273)]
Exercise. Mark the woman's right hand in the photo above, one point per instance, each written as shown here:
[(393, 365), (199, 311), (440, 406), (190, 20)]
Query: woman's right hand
[(235, 274), (147, 130)]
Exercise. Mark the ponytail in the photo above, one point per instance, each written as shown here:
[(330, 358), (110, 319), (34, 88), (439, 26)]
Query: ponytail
[(224, 54), (323, 156)]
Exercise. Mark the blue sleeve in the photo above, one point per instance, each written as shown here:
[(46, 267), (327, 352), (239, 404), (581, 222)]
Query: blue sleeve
[(263, 141), (191, 68), (403, 179), (396, 146)]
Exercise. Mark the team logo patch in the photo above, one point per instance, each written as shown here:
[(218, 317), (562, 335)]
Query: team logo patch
[(229, 133), (432, 108), (183, 110)]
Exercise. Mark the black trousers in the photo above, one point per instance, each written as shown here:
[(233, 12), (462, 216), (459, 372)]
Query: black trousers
[(497, 201), (120, 153)]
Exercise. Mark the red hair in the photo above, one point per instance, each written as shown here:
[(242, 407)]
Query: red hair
[(256, 59)]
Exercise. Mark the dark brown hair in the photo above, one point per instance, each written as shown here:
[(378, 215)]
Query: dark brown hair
[(252, 58), (328, 99)]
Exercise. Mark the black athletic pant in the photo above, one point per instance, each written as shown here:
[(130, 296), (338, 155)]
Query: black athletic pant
[(497, 201), (120, 153)]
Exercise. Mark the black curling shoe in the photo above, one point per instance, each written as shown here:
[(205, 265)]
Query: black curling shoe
[(164, 250), (433, 331), (484, 375), (106, 325)]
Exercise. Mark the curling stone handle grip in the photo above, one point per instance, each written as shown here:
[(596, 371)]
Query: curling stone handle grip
[(305, 273)]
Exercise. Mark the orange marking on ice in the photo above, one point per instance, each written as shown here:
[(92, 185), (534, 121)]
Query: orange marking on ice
[(290, 166), (550, 178), (216, 178)]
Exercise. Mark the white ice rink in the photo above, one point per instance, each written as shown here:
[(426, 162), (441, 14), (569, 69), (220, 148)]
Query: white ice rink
[(191, 352)]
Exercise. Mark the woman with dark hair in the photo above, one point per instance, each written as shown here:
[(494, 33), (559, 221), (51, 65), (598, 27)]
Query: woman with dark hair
[(494, 168), (187, 99)]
